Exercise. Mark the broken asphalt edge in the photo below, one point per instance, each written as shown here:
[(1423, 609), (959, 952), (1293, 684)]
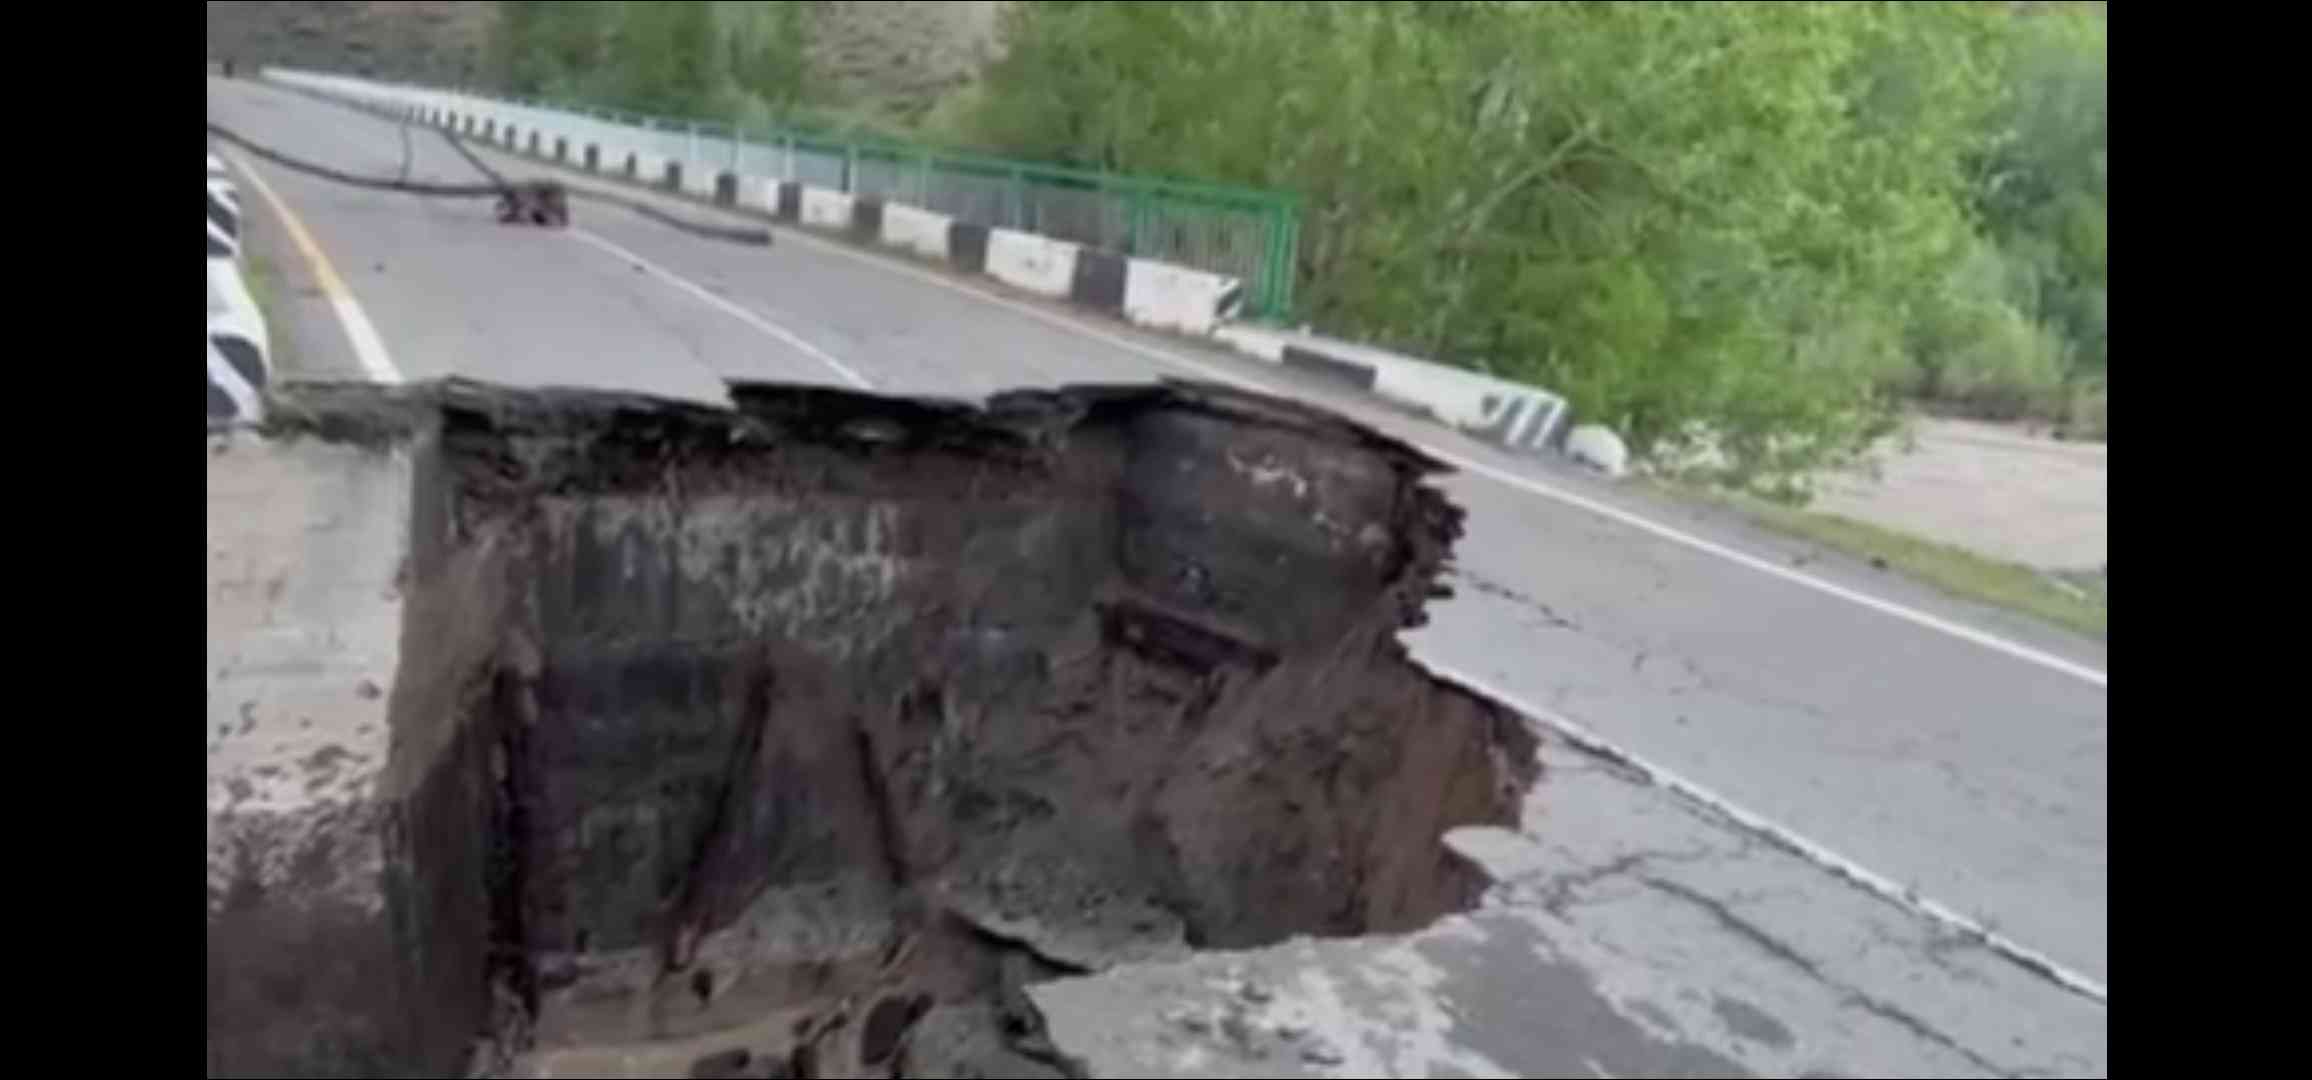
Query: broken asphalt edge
[(326, 455), (1963, 926)]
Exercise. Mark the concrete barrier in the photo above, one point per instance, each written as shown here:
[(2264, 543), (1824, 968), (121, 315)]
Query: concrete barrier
[(824, 209), (758, 194), (1038, 264), (1516, 416), (1171, 297), (239, 365), (1146, 292), (698, 179), (914, 230), (1512, 415), (345, 827)]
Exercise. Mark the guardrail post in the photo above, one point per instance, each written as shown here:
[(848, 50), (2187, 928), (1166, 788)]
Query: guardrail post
[(1280, 267), (1155, 211), (1136, 221)]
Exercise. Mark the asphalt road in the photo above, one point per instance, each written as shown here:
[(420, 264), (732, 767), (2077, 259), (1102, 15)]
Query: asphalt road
[(1841, 708)]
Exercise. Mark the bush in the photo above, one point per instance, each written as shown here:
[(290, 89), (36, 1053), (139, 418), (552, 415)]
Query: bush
[(1671, 212), (2086, 411), (1772, 220)]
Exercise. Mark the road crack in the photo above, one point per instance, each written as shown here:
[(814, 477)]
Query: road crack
[(1549, 616), (1849, 994), (1556, 893)]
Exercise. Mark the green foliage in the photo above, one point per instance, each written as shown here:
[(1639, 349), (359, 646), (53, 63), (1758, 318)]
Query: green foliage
[(2046, 194), (1768, 221), (738, 62), (764, 44), (1674, 212)]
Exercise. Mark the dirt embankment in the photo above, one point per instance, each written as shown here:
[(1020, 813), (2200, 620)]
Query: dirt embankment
[(893, 57), (436, 42), (900, 57), (813, 730)]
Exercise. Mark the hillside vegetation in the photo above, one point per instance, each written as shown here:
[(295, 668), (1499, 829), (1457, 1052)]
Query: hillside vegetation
[(1771, 222)]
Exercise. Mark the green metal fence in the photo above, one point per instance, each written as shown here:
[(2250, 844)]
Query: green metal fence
[(1251, 234)]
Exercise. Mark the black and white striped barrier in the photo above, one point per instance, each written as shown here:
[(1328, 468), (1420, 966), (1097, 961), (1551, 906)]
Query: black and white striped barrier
[(1143, 291), (1155, 294), (1515, 416), (1158, 295), (237, 343)]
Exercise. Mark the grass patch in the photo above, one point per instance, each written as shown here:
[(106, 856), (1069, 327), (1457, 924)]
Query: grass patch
[(258, 273), (263, 280), (2080, 603)]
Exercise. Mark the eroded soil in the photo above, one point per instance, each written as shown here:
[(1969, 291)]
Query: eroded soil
[(814, 729)]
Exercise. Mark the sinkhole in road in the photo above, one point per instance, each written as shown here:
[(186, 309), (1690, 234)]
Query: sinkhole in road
[(809, 730)]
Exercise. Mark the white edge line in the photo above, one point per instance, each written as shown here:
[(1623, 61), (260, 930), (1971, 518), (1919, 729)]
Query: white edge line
[(708, 297), (368, 347), (1528, 485), (2015, 650), (1993, 642), (1872, 881), (1573, 732)]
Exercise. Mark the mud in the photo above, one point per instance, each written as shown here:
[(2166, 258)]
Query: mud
[(809, 733)]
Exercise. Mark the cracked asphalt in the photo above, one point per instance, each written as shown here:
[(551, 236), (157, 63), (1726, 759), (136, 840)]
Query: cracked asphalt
[(1631, 933), (1634, 932)]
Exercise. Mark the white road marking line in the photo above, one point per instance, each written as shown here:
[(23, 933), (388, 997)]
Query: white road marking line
[(1530, 486), (1885, 888), (1572, 731), (368, 348), (1817, 853), (1993, 642), (708, 297)]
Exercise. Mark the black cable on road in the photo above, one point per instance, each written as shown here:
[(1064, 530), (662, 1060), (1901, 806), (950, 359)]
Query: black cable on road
[(498, 187), (472, 159), (407, 187), (759, 237)]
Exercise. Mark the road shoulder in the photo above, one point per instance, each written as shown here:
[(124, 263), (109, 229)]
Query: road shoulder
[(1631, 933)]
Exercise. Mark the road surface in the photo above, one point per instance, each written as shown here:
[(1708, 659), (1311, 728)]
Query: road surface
[(1883, 732)]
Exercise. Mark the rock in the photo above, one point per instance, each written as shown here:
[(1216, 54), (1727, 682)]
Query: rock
[(1599, 448), (887, 1024), (1183, 1016), (1255, 993), (1240, 1034), (726, 1064), (1321, 1054)]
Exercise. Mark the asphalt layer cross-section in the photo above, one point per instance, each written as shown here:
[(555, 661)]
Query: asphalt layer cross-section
[(1973, 775)]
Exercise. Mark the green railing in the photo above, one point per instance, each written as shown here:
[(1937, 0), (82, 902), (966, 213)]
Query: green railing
[(1247, 233)]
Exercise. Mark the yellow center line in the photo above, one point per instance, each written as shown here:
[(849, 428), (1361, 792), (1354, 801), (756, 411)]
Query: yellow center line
[(368, 348)]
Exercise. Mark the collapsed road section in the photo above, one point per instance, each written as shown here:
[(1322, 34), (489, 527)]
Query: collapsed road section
[(568, 733)]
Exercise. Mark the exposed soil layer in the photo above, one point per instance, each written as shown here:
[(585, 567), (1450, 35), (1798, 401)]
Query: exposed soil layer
[(814, 729)]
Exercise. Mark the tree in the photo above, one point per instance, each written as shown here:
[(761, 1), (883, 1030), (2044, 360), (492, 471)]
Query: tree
[(547, 47), (1676, 213)]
